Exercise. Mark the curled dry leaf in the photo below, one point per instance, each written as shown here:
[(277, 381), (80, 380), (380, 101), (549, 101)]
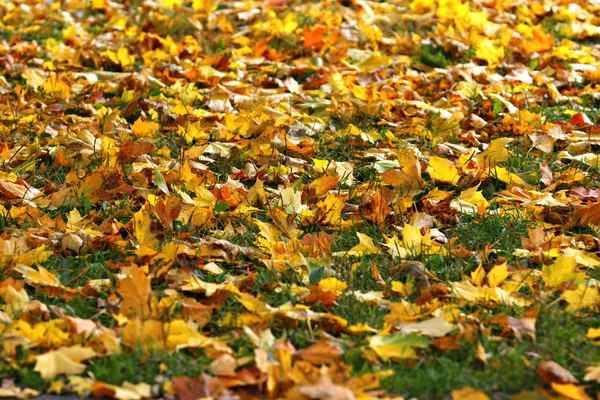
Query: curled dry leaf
[(551, 372)]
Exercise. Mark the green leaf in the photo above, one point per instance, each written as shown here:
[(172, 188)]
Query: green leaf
[(433, 56), (160, 181), (316, 276), (397, 345), (221, 207), (497, 107)]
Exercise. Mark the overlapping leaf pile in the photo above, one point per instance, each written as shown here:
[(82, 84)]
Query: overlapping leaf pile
[(279, 189)]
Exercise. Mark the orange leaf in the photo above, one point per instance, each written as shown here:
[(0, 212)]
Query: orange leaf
[(314, 37), (167, 210), (539, 43), (570, 391), (324, 184), (324, 351), (136, 292)]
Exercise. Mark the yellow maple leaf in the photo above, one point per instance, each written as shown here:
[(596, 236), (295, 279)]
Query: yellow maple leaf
[(497, 275), (143, 128), (443, 170), (52, 333), (414, 241), (405, 311), (56, 387), (360, 328), (562, 270), (433, 327), (324, 184), (470, 201), (365, 246), (333, 285), (403, 289), (42, 276), (478, 275), (489, 51), (141, 228), (593, 333), (329, 210), (503, 175), (147, 334), (583, 297), (495, 152)]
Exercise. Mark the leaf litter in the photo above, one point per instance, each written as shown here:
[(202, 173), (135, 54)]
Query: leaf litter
[(212, 178)]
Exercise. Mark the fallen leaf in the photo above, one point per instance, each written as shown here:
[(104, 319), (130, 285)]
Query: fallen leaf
[(468, 393), (551, 372), (397, 345), (64, 361)]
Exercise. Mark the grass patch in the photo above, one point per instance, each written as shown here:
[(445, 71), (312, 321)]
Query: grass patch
[(136, 367), (501, 231), (77, 270), (509, 369)]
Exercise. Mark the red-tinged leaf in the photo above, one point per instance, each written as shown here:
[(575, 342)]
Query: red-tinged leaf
[(130, 150), (317, 244), (313, 37), (325, 297), (18, 190), (100, 390), (168, 210), (584, 193), (580, 119)]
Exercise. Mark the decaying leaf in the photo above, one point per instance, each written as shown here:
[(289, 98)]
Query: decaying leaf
[(551, 372)]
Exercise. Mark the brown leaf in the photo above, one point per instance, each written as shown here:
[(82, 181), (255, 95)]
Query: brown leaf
[(130, 150), (585, 215), (326, 390), (167, 210), (195, 388), (551, 372), (324, 351)]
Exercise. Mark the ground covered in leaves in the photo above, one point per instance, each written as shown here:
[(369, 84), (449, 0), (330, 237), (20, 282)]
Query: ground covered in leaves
[(303, 200)]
